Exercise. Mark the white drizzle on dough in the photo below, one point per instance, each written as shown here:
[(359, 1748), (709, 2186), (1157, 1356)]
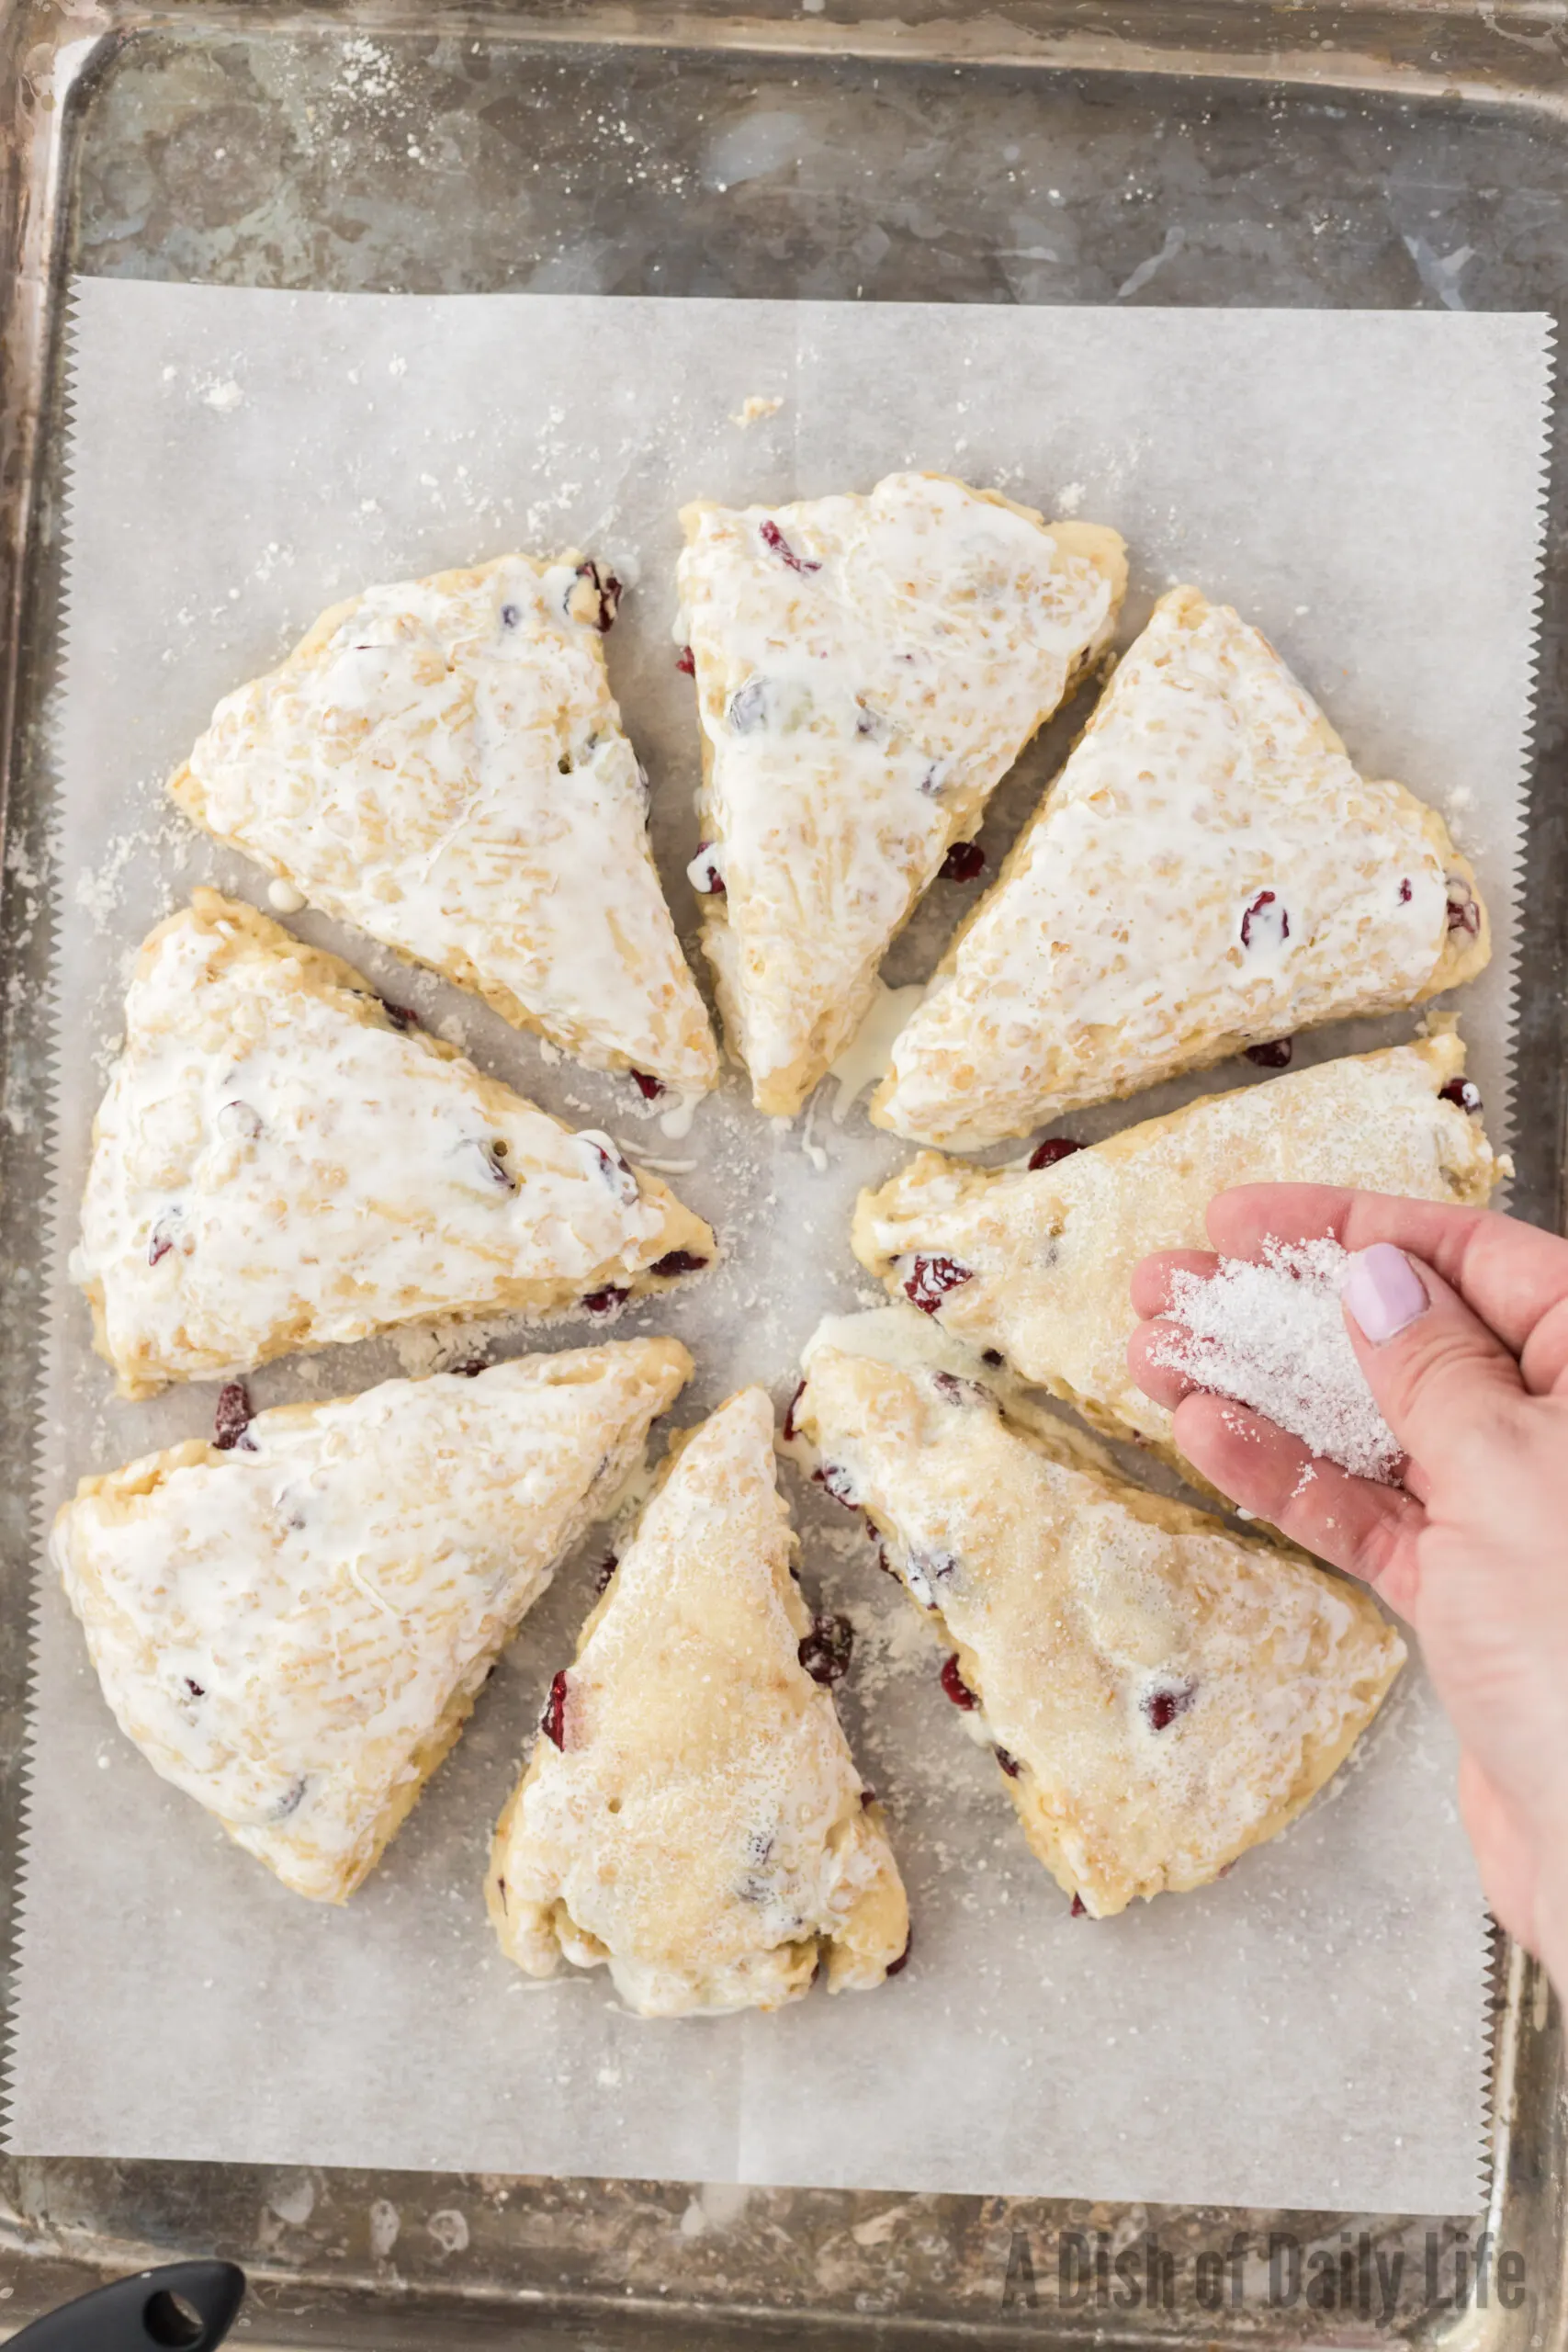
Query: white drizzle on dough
[(277, 1165), (293, 1632), (441, 763), (868, 669), (1208, 871)]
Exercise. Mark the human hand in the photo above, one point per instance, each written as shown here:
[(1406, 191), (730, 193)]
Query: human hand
[(1464, 1344)]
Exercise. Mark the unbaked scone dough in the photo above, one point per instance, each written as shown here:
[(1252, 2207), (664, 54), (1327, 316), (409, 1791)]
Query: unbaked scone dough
[(1160, 1693), (441, 763), (867, 669), (692, 1815), (293, 1631), (1207, 872), (1036, 1264), (279, 1163)]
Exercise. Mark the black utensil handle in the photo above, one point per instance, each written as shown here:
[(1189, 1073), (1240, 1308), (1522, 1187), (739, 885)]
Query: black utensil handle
[(181, 2307)]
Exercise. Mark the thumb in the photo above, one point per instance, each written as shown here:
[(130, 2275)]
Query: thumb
[(1437, 1373)]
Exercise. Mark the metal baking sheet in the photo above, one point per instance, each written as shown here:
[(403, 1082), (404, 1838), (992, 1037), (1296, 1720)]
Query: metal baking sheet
[(1171, 154)]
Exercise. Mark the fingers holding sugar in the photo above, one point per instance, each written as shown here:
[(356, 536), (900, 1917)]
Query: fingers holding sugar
[(1152, 1277), (1270, 1334), (1369, 1530)]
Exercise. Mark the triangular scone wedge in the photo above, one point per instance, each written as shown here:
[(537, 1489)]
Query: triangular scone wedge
[(441, 763), (293, 1631), (1035, 1265), (1161, 1694), (692, 1815), (867, 669), (1207, 872), (280, 1163)]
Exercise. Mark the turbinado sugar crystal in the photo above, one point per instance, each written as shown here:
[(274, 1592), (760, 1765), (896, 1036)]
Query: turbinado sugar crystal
[(1272, 1336)]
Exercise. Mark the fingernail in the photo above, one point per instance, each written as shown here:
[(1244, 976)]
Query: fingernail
[(1383, 1292)]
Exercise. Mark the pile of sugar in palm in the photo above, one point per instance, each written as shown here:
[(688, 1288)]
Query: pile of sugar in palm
[(1272, 1336)]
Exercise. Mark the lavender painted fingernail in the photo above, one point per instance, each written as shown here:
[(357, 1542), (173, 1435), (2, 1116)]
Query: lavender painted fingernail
[(1383, 1292)]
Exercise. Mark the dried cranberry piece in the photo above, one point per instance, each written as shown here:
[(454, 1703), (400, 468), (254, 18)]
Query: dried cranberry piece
[(605, 1571), (651, 1089), (604, 1302), (1161, 1707), (1463, 912), (1276, 1054), (789, 1426), (749, 706), (161, 1239), (836, 1480), (774, 539), (469, 1369), (192, 1685), (705, 876), (885, 1564), (953, 1683), (231, 1417), (240, 1120), (963, 861), (552, 1722), (993, 1356), (867, 1799), (825, 1652), (1463, 1090), (493, 1151), (896, 1967), (686, 662), (678, 1261), (935, 776), (1405, 892), (615, 1171), (1079, 1909), (1272, 930), (1054, 1147), (1008, 1763), (398, 1016), (924, 1570), (929, 1280), (601, 600), (957, 1391)]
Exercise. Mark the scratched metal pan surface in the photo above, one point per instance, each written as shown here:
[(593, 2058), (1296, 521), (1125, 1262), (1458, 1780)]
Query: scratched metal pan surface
[(1038, 151)]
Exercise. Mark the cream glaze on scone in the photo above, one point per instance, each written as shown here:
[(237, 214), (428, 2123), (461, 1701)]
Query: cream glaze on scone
[(691, 1815), (277, 1165), (1036, 1264), (441, 763), (294, 1632), (1162, 1694), (867, 670), (1207, 872)]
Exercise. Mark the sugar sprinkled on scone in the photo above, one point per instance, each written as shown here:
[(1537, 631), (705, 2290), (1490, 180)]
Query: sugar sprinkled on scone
[(1208, 872), (441, 763), (292, 1623), (1160, 1696), (692, 1816), (1034, 1262), (867, 671), (280, 1162)]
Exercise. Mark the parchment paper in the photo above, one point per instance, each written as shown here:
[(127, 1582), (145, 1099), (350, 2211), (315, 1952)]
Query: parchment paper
[(1309, 2032)]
